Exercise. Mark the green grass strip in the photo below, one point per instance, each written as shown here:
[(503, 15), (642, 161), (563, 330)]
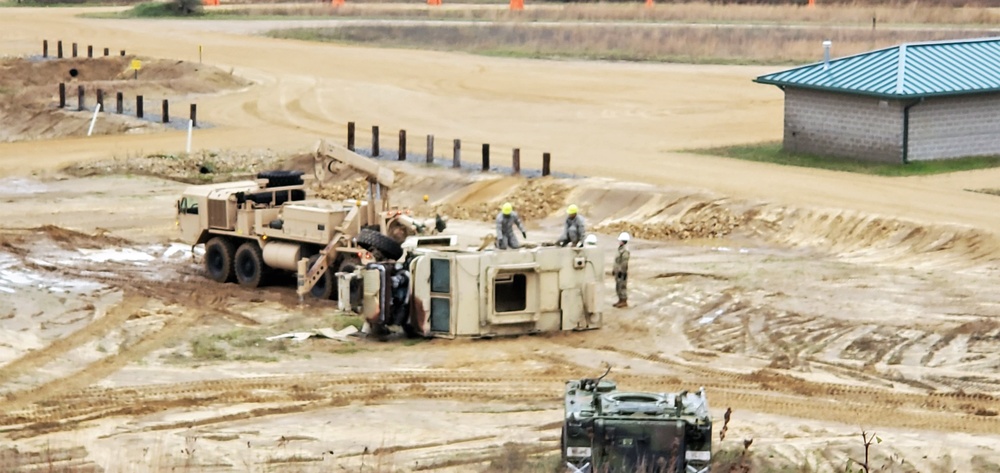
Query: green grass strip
[(772, 152)]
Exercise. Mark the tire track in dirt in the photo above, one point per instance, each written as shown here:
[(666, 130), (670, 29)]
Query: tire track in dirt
[(113, 318), (761, 391)]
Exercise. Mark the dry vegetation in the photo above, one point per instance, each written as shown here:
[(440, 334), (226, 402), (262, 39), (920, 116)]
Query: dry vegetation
[(851, 14), (693, 33)]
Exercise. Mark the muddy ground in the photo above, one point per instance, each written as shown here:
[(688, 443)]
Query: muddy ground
[(816, 305), (123, 341)]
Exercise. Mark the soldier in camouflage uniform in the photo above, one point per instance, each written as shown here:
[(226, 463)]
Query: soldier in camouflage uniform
[(574, 229), (621, 270), (506, 220)]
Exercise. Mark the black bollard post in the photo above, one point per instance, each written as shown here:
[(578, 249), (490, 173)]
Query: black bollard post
[(516, 163), (486, 157), (107, 52), (350, 136), (79, 98), (90, 51), (402, 145), (194, 115), (138, 106), (74, 49), (100, 99), (45, 48), (62, 95), (166, 111), (119, 102), (546, 162), (375, 150), (456, 160), (59, 49), (430, 149)]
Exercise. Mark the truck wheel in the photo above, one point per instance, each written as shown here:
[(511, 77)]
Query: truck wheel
[(219, 252), (375, 241), (326, 284), (249, 264)]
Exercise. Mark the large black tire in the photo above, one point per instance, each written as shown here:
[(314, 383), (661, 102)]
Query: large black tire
[(249, 264), (375, 241), (326, 285), (219, 255), (281, 178)]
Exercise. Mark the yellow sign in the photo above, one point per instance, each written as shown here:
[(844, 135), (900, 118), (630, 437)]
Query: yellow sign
[(136, 64)]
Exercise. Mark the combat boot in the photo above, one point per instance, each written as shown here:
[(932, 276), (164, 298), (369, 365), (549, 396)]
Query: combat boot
[(620, 304)]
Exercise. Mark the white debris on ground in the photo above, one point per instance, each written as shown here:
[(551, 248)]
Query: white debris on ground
[(21, 186)]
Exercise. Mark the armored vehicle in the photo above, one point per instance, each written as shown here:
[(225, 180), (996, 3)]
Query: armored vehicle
[(441, 290), (612, 431)]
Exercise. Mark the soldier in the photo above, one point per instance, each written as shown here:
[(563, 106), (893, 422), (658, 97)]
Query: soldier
[(400, 281), (506, 220), (621, 270), (574, 230)]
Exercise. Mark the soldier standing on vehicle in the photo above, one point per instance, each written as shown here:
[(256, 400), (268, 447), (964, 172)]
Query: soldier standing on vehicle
[(506, 220), (574, 229), (621, 270)]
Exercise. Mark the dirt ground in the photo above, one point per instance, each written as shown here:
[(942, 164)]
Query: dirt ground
[(815, 304)]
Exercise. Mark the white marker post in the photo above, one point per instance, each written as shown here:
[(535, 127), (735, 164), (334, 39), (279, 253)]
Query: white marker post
[(94, 120), (190, 128)]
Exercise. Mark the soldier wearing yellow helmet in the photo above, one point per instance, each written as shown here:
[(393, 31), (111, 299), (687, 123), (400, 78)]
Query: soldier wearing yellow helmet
[(506, 220), (574, 230)]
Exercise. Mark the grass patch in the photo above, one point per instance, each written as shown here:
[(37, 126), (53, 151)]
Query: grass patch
[(622, 42), (772, 152), (153, 10), (250, 344)]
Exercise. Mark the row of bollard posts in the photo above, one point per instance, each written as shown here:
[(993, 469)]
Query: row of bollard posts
[(120, 102), (59, 50), (456, 150)]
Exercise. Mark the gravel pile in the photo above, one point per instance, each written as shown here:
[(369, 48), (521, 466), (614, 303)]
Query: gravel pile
[(197, 168), (348, 189), (533, 200), (707, 222)]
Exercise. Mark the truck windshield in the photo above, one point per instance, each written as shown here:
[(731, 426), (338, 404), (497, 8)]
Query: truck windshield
[(187, 205)]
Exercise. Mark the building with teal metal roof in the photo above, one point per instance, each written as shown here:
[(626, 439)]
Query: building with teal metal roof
[(916, 101)]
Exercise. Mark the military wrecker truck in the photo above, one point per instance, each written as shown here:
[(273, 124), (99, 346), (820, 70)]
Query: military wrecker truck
[(439, 289), (254, 227), (612, 431)]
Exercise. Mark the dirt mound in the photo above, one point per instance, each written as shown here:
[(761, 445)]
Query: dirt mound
[(29, 93), (705, 220), (533, 199), (203, 167)]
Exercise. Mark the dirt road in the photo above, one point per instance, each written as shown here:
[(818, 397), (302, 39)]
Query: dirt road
[(617, 120), (841, 302)]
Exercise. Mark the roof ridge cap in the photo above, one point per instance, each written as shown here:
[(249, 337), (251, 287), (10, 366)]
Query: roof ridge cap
[(901, 68)]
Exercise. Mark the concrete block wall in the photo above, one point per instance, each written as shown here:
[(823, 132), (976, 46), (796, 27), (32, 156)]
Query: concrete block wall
[(837, 124), (954, 127)]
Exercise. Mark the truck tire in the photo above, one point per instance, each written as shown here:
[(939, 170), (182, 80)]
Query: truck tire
[(375, 241), (219, 255), (281, 178), (326, 285), (249, 264)]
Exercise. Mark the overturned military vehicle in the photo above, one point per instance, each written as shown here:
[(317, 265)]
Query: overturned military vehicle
[(440, 290), (612, 431)]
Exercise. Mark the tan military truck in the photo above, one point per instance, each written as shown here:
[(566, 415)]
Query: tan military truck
[(441, 290), (255, 227)]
